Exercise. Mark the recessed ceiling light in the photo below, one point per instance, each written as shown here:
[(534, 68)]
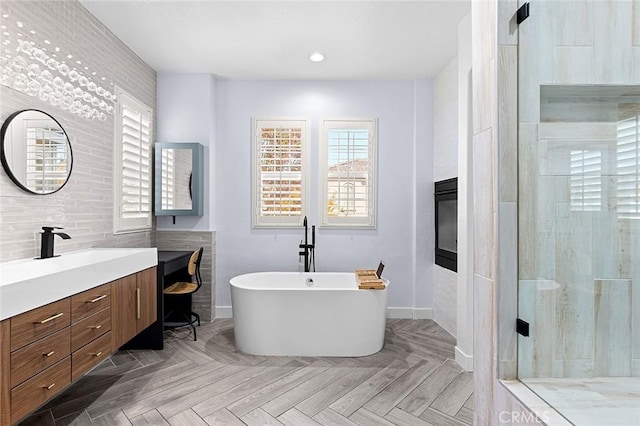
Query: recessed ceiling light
[(316, 57)]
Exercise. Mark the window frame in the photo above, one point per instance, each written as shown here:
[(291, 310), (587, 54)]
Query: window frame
[(122, 225), (369, 221), (257, 219)]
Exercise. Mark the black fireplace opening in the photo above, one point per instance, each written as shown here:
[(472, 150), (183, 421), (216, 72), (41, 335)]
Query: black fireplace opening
[(446, 206)]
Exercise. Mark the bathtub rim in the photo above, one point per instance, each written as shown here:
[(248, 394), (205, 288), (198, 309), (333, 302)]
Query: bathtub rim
[(275, 288)]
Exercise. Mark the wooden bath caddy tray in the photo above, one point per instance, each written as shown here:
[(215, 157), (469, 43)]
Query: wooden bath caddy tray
[(368, 280)]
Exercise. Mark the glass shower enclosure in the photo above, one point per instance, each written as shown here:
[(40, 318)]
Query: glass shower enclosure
[(579, 208)]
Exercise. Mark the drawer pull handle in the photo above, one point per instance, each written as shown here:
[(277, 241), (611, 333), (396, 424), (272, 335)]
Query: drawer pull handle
[(137, 303), (51, 318), (49, 387), (97, 299), (95, 327), (97, 354), (49, 354)]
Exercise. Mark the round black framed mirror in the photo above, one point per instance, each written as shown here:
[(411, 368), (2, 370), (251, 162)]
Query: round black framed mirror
[(36, 151)]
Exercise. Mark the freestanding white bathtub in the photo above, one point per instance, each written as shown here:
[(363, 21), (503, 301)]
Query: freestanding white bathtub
[(283, 313)]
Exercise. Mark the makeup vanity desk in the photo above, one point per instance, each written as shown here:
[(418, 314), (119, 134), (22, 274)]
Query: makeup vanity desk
[(172, 267)]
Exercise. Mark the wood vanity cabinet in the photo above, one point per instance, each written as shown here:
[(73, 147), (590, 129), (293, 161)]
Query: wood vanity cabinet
[(45, 349), (134, 305)]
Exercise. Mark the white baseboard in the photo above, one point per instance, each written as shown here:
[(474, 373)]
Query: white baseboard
[(224, 312), (465, 361), (422, 313), (405, 313), (410, 313)]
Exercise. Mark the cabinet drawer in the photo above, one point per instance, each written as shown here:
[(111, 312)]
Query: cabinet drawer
[(89, 328), (40, 388), (90, 355), (28, 361), (89, 302), (40, 322)]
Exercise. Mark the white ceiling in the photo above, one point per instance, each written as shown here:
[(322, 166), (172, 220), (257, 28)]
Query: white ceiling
[(273, 39)]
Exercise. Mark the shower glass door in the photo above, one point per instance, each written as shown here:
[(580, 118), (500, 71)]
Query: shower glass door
[(579, 208)]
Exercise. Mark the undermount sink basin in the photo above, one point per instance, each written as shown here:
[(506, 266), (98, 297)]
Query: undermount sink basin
[(29, 283)]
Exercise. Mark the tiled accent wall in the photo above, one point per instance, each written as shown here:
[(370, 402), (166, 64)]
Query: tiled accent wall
[(445, 288), (445, 122), (484, 135), (579, 274), (445, 166), (205, 298), (495, 95), (84, 207)]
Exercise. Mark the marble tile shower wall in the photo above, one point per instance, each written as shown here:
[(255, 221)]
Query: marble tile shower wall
[(578, 270), (84, 207)]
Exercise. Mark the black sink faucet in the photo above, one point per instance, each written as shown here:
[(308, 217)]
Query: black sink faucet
[(308, 249), (46, 248)]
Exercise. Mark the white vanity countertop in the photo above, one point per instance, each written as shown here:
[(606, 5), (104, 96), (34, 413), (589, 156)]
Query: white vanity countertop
[(30, 283)]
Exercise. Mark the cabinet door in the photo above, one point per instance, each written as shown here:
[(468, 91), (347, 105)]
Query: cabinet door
[(147, 298), (123, 308)]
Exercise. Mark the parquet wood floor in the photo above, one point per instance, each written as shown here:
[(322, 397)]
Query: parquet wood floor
[(412, 381)]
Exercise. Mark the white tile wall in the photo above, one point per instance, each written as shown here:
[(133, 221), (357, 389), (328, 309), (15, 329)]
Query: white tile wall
[(574, 64), (613, 334), (612, 42), (636, 24), (84, 207), (484, 367), (445, 166), (484, 207), (636, 64), (444, 298), (445, 122)]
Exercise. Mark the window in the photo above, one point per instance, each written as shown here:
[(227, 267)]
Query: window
[(280, 168), (348, 170), (132, 164), (628, 165)]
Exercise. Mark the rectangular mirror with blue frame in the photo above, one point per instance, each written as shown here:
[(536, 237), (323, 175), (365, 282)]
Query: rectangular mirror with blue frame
[(179, 179)]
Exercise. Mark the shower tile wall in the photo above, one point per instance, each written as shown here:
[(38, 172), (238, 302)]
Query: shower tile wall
[(84, 207), (579, 286)]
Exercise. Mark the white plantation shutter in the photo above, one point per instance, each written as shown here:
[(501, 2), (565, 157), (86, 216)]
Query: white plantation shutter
[(133, 164), (586, 180), (349, 167), (628, 168), (168, 179), (46, 157), (279, 184)]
